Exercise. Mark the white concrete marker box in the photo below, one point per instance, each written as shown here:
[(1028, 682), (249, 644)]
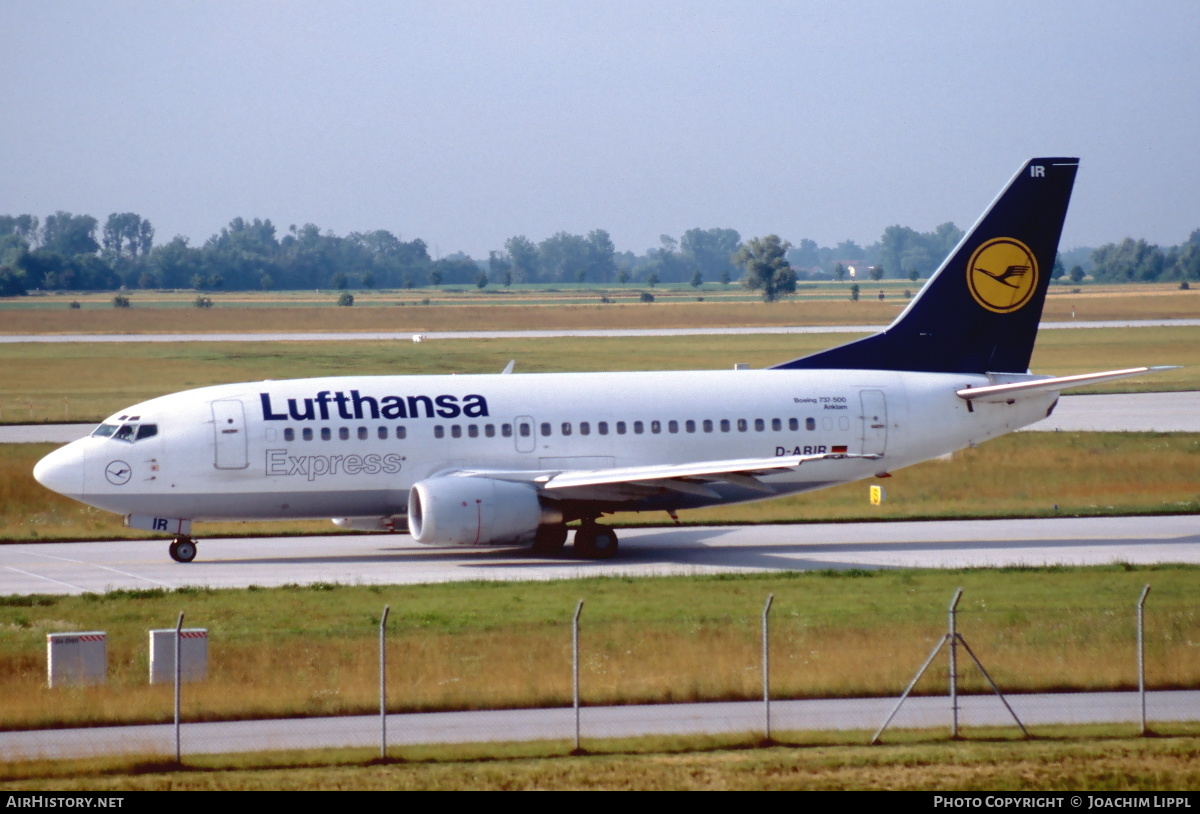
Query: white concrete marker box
[(193, 655), (77, 658)]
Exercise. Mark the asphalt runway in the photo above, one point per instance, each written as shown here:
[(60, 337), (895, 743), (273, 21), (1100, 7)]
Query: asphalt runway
[(865, 714), (374, 559)]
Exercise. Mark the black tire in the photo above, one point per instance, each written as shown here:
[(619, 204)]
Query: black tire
[(595, 542), (182, 550), (550, 539)]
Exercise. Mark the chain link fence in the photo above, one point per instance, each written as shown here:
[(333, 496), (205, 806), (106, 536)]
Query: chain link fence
[(592, 676)]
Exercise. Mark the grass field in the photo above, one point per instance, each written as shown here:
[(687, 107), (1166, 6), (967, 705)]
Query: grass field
[(1062, 759), (566, 307), (87, 382), (312, 650), (1079, 473)]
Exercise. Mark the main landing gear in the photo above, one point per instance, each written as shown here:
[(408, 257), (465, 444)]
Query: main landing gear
[(182, 549), (594, 541)]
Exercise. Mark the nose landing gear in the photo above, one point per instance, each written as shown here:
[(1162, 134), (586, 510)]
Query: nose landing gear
[(182, 549)]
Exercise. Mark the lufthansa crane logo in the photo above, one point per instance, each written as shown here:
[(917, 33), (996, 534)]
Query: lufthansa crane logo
[(118, 473), (1002, 275)]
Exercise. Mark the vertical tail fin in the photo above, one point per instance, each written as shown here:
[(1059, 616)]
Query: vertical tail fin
[(979, 312)]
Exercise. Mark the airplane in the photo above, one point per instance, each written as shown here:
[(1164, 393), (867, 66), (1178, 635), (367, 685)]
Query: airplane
[(509, 459)]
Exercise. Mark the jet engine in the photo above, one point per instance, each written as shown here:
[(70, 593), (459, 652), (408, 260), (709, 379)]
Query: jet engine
[(476, 511)]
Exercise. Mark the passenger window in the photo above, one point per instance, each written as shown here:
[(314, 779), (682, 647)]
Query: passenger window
[(811, 424), (147, 431), (620, 428), (506, 430), (382, 433), (439, 431), (526, 430), (708, 425), (689, 425), (545, 428), (344, 434), (489, 430), (776, 424), (455, 431), (326, 434), (742, 425), (289, 434), (672, 426), (724, 425), (584, 428), (362, 433), (793, 424), (602, 428), (401, 433), (566, 428), (473, 430), (656, 427), (307, 433), (637, 428), (759, 425)]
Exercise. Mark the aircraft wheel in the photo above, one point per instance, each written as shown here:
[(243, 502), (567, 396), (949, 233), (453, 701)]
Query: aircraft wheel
[(550, 539), (182, 550), (595, 542)]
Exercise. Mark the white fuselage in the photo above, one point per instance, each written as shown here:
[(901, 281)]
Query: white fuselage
[(354, 446)]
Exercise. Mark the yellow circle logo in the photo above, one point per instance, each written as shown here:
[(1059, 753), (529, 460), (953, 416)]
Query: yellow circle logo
[(1002, 275)]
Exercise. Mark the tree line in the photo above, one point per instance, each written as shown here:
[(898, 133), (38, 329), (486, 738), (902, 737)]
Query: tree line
[(65, 251)]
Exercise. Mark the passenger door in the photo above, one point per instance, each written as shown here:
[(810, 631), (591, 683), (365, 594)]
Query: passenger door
[(229, 431)]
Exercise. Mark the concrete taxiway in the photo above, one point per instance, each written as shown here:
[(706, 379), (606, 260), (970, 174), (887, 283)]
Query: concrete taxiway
[(76, 568), (549, 334)]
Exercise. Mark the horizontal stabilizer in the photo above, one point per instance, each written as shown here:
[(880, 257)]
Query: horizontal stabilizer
[(1013, 390)]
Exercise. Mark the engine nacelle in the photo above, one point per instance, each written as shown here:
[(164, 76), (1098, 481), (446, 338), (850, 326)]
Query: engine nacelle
[(476, 511)]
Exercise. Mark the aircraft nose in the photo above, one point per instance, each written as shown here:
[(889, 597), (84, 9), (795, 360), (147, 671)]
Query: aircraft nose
[(62, 471)]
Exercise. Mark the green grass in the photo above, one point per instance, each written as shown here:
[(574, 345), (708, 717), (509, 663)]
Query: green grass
[(301, 651)]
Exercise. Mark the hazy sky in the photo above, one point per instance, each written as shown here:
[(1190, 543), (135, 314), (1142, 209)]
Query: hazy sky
[(465, 123)]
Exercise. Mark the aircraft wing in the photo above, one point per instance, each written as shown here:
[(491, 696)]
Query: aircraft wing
[(687, 478), (1015, 390)]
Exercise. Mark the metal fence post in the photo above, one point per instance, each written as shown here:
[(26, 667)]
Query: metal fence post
[(766, 665), (953, 636), (1141, 655), (178, 676), (575, 667), (383, 683)]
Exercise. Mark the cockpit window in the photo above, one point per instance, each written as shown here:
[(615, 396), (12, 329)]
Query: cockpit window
[(129, 431)]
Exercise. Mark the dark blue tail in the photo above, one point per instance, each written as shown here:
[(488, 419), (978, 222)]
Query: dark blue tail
[(979, 312)]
